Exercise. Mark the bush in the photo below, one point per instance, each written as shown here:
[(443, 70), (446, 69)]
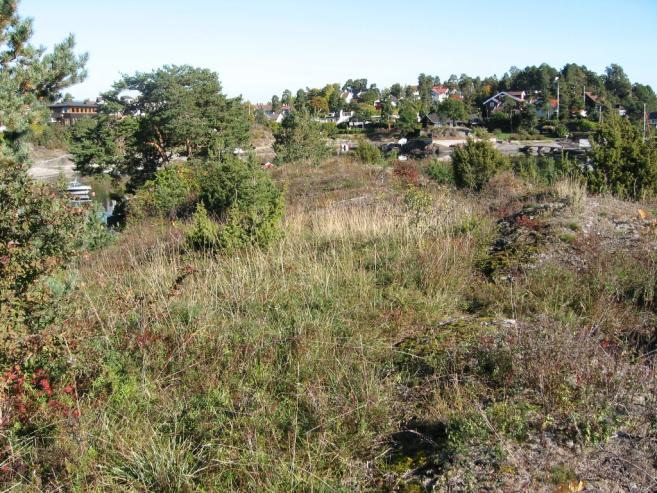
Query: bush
[(368, 153), (172, 193), (245, 199), (204, 234), (407, 172), (476, 163), (440, 172), (582, 125), (50, 136), (38, 234), (498, 121), (622, 162)]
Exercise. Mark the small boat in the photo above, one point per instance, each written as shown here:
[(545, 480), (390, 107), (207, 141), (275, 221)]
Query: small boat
[(79, 192)]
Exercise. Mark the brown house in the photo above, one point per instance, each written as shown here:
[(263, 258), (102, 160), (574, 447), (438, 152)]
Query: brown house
[(68, 112)]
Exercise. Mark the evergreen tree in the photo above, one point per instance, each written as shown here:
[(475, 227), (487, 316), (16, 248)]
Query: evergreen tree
[(298, 138), (38, 228), (172, 112)]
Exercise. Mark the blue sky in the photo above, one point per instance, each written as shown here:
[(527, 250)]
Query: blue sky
[(261, 47)]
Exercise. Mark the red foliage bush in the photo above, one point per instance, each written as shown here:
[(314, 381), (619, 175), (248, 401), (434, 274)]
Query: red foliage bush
[(407, 172)]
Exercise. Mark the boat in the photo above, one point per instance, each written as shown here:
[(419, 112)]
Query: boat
[(79, 192)]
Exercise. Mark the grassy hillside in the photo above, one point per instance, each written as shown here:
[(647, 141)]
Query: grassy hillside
[(402, 336)]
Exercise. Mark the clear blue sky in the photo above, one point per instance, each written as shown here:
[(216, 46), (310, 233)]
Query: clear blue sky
[(260, 47)]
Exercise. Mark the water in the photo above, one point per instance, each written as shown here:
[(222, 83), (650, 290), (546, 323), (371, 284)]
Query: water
[(101, 195)]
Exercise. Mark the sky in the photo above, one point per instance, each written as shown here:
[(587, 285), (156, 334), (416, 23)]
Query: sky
[(261, 47)]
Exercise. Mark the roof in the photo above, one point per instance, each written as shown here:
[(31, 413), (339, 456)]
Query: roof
[(440, 89), (77, 104), (516, 94), (434, 118), (592, 96)]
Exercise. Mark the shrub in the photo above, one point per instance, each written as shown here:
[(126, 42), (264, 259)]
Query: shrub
[(582, 125), (407, 172), (560, 130), (368, 153), (50, 136), (172, 192), (245, 199), (95, 233), (622, 162), (498, 121), (38, 234), (440, 172), (476, 163), (543, 169), (204, 233)]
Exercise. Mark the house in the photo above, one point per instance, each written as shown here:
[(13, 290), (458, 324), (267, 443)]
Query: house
[(432, 120), (495, 103), (337, 117), (68, 112), (652, 119), (347, 96), (548, 110), (592, 102), (378, 104), (275, 116), (439, 94), (620, 109)]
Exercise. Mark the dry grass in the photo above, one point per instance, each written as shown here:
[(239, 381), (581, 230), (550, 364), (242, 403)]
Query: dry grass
[(306, 366)]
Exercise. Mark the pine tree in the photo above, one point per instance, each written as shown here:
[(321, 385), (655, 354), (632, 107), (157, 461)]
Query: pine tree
[(37, 228)]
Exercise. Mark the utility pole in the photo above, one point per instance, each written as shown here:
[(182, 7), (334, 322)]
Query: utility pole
[(558, 99), (645, 116), (584, 96)]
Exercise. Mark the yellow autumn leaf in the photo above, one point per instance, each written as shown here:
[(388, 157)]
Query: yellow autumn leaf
[(643, 214)]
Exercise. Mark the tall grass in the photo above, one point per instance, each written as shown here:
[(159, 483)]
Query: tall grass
[(299, 366), (268, 369)]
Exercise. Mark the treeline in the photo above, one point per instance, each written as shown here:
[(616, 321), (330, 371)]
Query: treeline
[(613, 87)]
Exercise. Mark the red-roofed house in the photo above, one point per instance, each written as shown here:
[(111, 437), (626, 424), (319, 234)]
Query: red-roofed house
[(439, 93)]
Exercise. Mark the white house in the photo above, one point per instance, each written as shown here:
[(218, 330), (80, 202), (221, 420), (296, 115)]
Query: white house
[(347, 96), (338, 117)]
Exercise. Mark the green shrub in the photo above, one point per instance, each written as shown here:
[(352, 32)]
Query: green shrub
[(95, 233), (543, 169), (560, 130), (173, 192), (582, 125), (476, 163), (204, 233), (368, 153), (50, 136), (622, 162), (440, 172), (245, 199), (38, 234)]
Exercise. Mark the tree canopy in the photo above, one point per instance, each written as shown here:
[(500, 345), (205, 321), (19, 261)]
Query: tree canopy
[(149, 119)]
